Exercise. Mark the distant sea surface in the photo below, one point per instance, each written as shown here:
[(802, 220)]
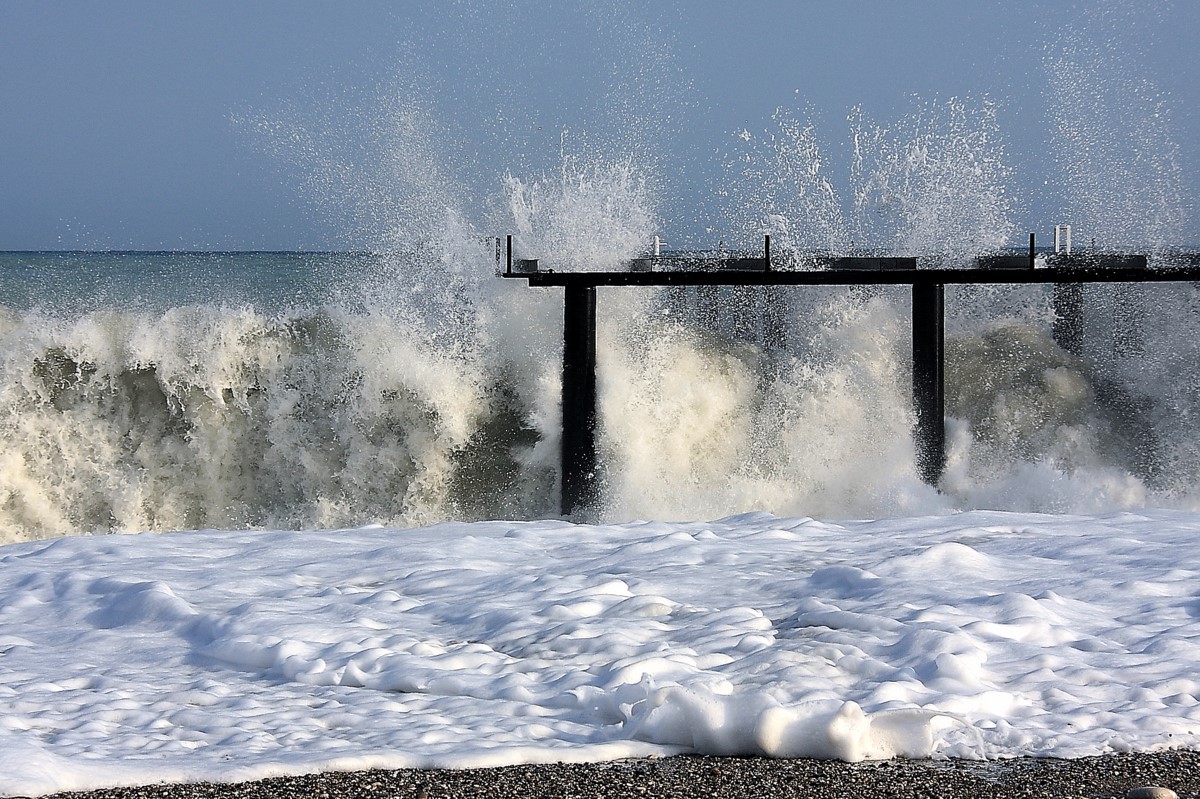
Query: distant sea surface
[(80, 281)]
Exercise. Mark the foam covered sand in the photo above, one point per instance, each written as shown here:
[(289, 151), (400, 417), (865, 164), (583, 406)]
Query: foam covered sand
[(135, 659)]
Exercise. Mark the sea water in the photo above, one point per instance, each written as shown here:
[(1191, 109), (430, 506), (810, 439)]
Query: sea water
[(156, 391)]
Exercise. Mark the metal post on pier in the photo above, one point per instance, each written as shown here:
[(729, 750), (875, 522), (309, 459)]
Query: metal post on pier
[(580, 479), (928, 378)]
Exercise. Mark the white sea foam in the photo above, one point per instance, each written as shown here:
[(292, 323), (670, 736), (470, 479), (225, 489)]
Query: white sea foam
[(233, 655)]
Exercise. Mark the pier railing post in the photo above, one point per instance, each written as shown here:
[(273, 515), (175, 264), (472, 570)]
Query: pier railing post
[(579, 475), (928, 376)]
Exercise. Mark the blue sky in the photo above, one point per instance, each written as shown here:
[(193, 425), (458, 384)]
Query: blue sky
[(163, 124)]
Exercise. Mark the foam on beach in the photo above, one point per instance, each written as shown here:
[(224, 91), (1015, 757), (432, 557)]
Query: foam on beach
[(237, 655)]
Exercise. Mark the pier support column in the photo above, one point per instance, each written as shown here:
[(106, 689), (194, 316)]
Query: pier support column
[(772, 304), (579, 474), (929, 399), (1067, 304)]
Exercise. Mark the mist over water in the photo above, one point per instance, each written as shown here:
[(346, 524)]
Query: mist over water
[(1116, 155), (410, 385), (931, 184)]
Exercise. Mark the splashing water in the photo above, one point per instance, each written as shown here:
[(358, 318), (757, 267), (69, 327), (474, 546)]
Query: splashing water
[(590, 215), (698, 424), (1117, 162), (208, 416), (783, 189), (931, 184), (417, 387), (1117, 158)]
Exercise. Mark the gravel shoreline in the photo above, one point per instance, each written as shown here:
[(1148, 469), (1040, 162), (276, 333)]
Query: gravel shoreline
[(725, 777)]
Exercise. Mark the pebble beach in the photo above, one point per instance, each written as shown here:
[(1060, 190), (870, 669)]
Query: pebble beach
[(1116, 776)]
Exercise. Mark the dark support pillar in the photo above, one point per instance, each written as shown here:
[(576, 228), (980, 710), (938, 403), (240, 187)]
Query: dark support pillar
[(772, 303), (708, 312), (579, 476), (1129, 339), (1067, 304), (928, 332), (1066, 301)]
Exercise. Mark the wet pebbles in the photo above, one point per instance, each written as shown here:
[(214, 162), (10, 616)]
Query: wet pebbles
[(1109, 776)]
